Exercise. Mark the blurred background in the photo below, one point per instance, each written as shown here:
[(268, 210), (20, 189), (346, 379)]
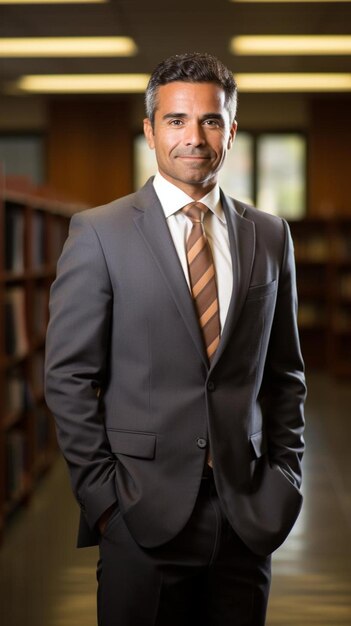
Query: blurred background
[(72, 78)]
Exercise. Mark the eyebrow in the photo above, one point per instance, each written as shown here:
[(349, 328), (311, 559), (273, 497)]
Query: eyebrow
[(216, 116)]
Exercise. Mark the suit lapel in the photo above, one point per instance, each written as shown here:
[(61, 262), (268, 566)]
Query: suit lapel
[(242, 247), (153, 228)]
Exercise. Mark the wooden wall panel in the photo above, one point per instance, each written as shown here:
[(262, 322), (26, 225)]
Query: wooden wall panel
[(89, 149), (330, 157)]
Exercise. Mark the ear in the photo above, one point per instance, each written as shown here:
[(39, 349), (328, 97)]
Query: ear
[(232, 134), (149, 133)]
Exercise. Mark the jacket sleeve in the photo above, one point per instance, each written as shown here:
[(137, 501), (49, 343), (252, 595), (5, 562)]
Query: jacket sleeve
[(283, 391), (76, 368)]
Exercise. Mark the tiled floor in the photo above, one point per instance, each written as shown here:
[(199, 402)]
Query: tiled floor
[(45, 581)]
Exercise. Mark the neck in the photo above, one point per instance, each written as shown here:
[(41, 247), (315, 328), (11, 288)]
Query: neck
[(196, 192)]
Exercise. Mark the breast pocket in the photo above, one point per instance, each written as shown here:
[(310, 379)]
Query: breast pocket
[(258, 292)]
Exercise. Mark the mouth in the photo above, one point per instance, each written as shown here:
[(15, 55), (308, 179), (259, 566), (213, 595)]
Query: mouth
[(194, 157)]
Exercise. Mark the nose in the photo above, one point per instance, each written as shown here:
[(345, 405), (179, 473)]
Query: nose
[(194, 134)]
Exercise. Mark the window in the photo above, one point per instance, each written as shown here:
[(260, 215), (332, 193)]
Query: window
[(281, 166), (237, 174), (145, 164), (267, 170), (22, 155)]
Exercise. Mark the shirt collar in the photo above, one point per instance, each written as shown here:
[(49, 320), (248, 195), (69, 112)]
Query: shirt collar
[(173, 199)]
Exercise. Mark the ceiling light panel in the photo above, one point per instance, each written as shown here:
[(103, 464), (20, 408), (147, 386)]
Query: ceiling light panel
[(302, 82), (136, 83), (291, 45), (53, 1), (81, 83), (292, 1), (67, 47)]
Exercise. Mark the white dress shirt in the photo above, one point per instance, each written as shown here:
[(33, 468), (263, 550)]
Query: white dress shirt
[(172, 200)]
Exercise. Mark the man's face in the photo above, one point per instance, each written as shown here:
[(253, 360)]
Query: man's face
[(191, 134)]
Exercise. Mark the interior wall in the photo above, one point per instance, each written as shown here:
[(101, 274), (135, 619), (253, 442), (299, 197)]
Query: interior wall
[(27, 113), (329, 157), (89, 153)]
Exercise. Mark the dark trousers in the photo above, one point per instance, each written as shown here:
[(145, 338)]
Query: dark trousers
[(205, 576)]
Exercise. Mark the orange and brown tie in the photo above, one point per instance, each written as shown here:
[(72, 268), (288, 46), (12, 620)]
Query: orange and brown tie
[(202, 278)]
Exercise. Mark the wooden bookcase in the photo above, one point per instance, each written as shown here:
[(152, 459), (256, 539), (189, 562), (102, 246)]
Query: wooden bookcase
[(33, 229), (311, 243), (323, 265), (340, 296)]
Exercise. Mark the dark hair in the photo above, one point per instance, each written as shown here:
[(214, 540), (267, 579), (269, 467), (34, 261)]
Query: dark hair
[(195, 67)]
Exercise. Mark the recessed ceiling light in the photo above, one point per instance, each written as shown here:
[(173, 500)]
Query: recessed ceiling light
[(66, 46), (306, 82), (136, 83), (53, 1), (80, 83), (291, 45), (293, 1)]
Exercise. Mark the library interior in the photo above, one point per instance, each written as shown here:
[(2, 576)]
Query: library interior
[(72, 82)]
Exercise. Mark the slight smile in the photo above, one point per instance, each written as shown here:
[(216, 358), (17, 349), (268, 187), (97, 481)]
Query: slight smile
[(194, 158)]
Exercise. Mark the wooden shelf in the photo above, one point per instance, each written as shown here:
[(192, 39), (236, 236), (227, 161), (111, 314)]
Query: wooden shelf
[(310, 261), (12, 419), (323, 269), (33, 229), (20, 277)]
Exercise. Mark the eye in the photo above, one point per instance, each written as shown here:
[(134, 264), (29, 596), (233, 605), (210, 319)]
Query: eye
[(213, 122), (175, 122)]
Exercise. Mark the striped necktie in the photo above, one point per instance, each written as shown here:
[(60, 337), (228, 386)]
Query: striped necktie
[(202, 278)]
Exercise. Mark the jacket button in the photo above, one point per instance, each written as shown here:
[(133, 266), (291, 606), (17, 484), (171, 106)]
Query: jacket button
[(201, 443), (211, 386)]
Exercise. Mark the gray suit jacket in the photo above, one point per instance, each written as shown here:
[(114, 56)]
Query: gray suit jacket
[(134, 398)]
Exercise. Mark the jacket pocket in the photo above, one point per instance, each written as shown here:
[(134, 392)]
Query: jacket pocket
[(261, 291), (131, 443)]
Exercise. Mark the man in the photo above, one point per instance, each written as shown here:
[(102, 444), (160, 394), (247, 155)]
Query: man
[(175, 375)]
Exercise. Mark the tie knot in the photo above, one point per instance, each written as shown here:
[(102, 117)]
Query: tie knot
[(195, 211)]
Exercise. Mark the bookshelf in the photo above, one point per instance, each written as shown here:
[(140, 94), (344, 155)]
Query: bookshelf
[(311, 242), (340, 293), (33, 229), (323, 267)]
